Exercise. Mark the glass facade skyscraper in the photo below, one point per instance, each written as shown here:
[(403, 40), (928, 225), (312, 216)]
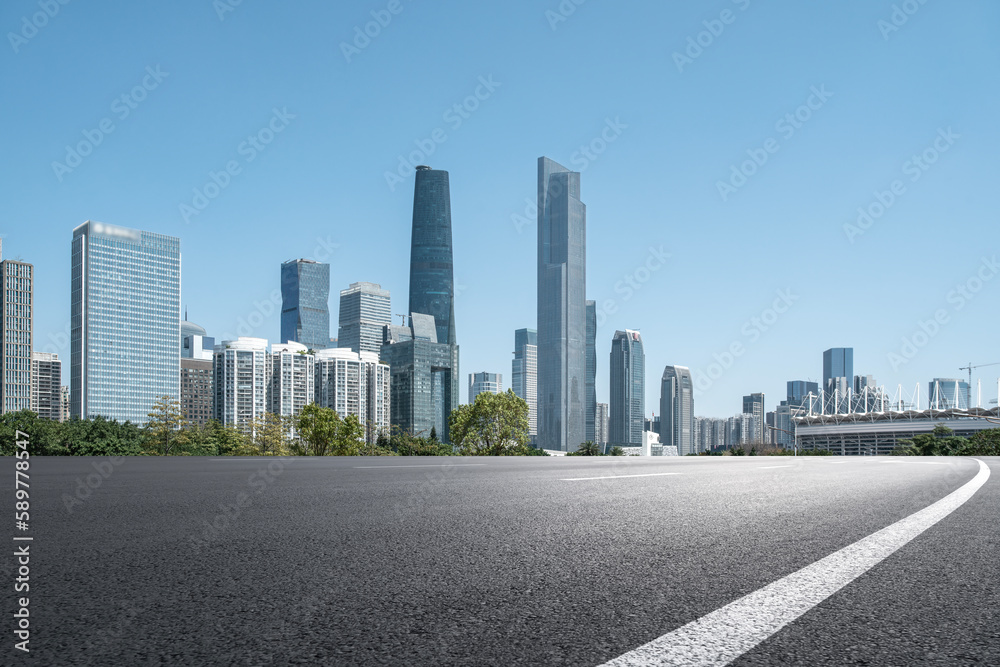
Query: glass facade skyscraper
[(628, 390), (838, 374), (432, 287), (524, 374), (124, 322), (591, 407), (16, 324), (677, 410), (305, 309), (562, 317), (484, 382), (948, 394), (364, 312), (802, 394)]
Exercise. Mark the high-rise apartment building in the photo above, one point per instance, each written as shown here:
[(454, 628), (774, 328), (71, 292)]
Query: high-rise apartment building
[(524, 374), (355, 383), (196, 390), (677, 409), (364, 312), (484, 382), (241, 378), (754, 405), (591, 406), (293, 379), (601, 424), (46, 385), (562, 325), (16, 325), (627, 389), (838, 372), (125, 321), (305, 308)]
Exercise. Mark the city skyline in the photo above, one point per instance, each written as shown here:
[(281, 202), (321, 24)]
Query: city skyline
[(845, 156)]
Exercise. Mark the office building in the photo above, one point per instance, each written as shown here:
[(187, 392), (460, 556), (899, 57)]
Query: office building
[(46, 385), (305, 309), (948, 394), (805, 395), (601, 424), (754, 405), (524, 374), (784, 429), (838, 372), (590, 427), (64, 403), (677, 409), (125, 321), (627, 389), (432, 285), (196, 390), (355, 383), (16, 325), (293, 379), (484, 382), (241, 378), (562, 317), (195, 341), (364, 312)]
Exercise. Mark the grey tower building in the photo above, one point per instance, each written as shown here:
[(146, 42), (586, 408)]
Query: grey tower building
[(754, 405), (17, 306), (524, 374), (364, 312), (562, 319), (838, 373), (432, 287), (804, 394), (591, 407), (125, 331), (677, 410), (628, 390), (305, 309)]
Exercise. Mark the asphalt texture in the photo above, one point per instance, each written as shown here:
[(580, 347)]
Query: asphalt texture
[(465, 561)]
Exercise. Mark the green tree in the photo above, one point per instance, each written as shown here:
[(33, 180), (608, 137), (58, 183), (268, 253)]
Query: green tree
[(588, 448), (164, 425), (43, 435), (983, 443), (616, 451), (101, 437), (493, 425), (317, 427), (268, 435), (942, 441)]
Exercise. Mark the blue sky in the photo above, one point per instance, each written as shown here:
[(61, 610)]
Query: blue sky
[(871, 91)]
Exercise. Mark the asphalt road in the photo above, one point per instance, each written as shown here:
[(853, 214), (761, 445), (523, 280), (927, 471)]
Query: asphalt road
[(416, 561)]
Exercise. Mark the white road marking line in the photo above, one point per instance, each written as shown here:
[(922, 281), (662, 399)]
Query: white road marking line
[(769, 467), (650, 474), (419, 465), (722, 636)]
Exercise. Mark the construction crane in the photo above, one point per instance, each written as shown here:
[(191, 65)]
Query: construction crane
[(970, 367), (402, 319)]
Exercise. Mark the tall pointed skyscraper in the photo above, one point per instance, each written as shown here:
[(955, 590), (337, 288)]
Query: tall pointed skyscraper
[(432, 286), (562, 320)]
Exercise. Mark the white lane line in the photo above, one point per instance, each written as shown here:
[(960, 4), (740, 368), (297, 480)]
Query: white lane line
[(419, 465), (650, 474), (722, 636), (770, 467)]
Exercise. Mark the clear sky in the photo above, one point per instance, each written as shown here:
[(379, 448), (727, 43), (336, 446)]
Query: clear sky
[(829, 101)]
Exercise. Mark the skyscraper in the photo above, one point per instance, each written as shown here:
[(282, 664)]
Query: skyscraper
[(16, 324), (305, 296), (601, 424), (754, 405), (484, 382), (562, 326), (241, 371), (197, 349), (432, 287), (354, 383), (838, 373), (524, 374), (948, 394), (677, 410), (125, 321), (628, 389), (803, 395), (364, 312), (46, 388), (591, 407)]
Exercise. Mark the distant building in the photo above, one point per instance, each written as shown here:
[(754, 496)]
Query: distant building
[(195, 342), (125, 321), (484, 382), (677, 409), (804, 394), (305, 309), (64, 403), (196, 390), (17, 306), (561, 303), (241, 377), (292, 379), (710, 434), (364, 311), (590, 426), (948, 394), (524, 374), (741, 431), (46, 385), (628, 388), (838, 372), (355, 383), (754, 405), (601, 424)]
